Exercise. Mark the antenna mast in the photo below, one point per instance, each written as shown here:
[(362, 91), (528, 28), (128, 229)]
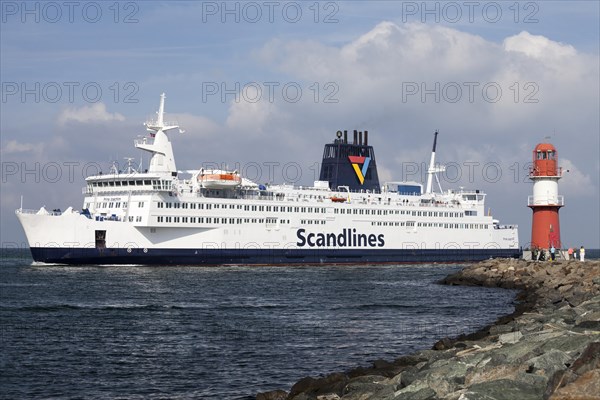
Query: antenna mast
[(433, 170)]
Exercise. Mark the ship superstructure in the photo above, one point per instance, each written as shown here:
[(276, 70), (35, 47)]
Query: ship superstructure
[(215, 217)]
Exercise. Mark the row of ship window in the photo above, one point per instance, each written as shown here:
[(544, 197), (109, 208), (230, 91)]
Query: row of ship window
[(354, 211), (202, 206), (321, 210), (114, 204), (156, 184), (219, 220), (446, 214), (431, 225)]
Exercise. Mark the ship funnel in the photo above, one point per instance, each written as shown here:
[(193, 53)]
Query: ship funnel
[(350, 164)]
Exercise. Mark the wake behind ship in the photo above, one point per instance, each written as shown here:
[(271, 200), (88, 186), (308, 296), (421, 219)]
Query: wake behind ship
[(217, 217)]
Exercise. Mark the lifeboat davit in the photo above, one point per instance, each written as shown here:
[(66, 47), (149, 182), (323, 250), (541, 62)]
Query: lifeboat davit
[(225, 180)]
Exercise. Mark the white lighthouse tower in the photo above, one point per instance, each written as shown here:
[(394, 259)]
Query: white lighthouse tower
[(545, 202)]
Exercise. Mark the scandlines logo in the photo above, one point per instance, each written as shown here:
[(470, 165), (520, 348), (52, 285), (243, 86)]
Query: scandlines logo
[(356, 162), (347, 238)]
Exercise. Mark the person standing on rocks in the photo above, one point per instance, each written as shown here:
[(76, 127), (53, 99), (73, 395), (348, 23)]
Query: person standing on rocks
[(570, 253), (552, 253), (582, 254)]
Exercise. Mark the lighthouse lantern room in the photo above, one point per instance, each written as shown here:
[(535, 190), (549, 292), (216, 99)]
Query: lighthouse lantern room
[(545, 202)]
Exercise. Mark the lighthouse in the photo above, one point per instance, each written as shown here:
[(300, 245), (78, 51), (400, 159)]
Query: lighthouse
[(545, 202)]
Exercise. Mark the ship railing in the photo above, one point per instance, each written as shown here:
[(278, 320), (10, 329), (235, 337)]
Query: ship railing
[(26, 211), (546, 201), (144, 140)]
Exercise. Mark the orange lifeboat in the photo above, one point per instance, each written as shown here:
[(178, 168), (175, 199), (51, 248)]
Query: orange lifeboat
[(336, 199), (225, 180)]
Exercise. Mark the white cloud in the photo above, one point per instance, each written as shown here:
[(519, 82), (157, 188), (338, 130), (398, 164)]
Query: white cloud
[(88, 114), (574, 181), (249, 117), (14, 146), (539, 47)]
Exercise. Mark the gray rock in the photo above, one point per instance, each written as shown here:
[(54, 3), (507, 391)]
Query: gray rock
[(510, 338), (499, 329), (368, 391), (273, 395), (423, 394), (303, 396), (588, 325), (502, 389), (408, 376), (535, 380), (328, 397), (567, 343), (550, 362)]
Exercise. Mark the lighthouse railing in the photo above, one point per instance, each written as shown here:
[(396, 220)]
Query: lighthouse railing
[(534, 171), (546, 201)]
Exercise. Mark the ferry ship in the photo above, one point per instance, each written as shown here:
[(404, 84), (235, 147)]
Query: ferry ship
[(164, 216)]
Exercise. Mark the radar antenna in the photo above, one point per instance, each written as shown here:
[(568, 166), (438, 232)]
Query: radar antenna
[(153, 126), (130, 168)]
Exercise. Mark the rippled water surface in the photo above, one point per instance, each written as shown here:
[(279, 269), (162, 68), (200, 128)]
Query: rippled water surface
[(216, 333)]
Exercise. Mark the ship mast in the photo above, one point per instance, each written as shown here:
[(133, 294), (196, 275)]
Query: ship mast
[(162, 159), (433, 170)]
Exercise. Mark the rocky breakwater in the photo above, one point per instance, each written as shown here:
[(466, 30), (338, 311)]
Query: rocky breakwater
[(549, 348)]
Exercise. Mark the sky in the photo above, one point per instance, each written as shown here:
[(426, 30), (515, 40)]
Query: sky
[(262, 86)]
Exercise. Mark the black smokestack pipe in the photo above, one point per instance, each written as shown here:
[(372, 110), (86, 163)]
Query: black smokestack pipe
[(366, 138), (360, 138), (355, 137), (434, 140), (345, 137)]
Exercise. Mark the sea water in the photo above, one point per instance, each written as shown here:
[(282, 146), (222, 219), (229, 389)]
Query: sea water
[(218, 332)]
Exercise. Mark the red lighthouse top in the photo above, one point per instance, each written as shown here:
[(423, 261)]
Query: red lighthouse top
[(545, 160)]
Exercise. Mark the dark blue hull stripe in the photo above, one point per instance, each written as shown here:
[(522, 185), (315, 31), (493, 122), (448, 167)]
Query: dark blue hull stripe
[(260, 256)]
